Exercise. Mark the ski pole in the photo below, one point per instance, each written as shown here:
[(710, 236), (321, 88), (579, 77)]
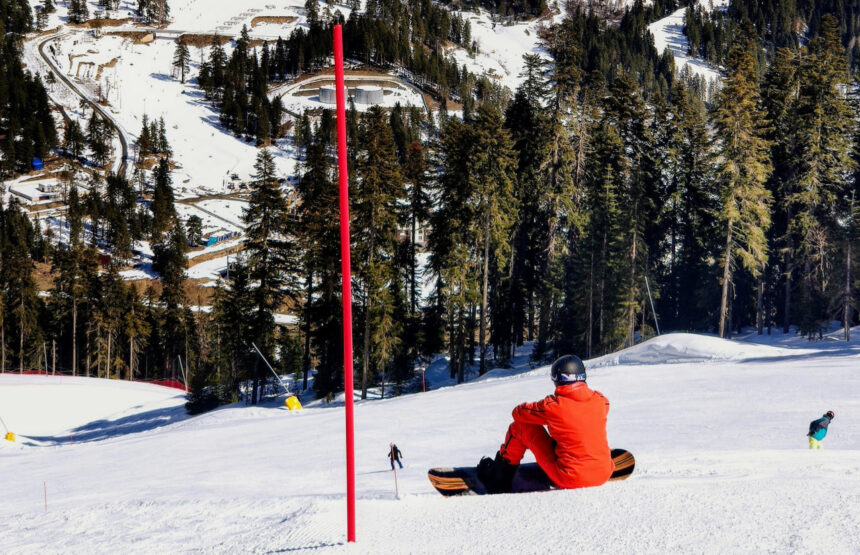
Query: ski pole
[(394, 468), (277, 378)]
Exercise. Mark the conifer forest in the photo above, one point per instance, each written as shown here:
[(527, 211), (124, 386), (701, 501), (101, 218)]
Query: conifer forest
[(606, 199)]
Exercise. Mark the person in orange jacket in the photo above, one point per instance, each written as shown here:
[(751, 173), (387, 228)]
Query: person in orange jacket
[(574, 453)]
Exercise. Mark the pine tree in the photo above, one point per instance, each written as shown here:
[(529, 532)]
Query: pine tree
[(380, 185), (269, 247), (529, 126), (182, 59), (170, 262), (194, 230), (823, 168), (779, 98), (742, 172), (162, 207), (21, 304), (691, 206), (144, 140), (233, 316), (99, 134), (73, 139), (319, 241), (78, 11), (135, 328), (415, 176)]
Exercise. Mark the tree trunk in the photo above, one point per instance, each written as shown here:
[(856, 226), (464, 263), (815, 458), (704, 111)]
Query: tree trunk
[(460, 348), (786, 316), (583, 141), (546, 292), (74, 336), (531, 331), (589, 337), (452, 345), (602, 289), (130, 375), (727, 276), (760, 306), (470, 329), (21, 338), (89, 332), (631, 296), (846, 301), (108, 361), (365, 353), (306, 356), (482, 369), (256, 385), (413, 267)]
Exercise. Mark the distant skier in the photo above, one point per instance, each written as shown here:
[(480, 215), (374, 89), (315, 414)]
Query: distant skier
[(818, 429), (575, 453), (394, 454)]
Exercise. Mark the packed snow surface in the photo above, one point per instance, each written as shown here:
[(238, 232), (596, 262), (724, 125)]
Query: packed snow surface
[(722, 464)]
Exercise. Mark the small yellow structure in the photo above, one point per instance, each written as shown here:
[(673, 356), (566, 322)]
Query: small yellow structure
[(293, 403), (10, 436)]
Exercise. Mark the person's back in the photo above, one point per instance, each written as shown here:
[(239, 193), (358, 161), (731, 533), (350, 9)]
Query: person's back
[(818, 430), (575, 453), (578, 425)]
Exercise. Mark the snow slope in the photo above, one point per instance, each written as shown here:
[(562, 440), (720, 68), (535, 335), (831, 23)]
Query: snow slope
[(722, 464), (669, 34)]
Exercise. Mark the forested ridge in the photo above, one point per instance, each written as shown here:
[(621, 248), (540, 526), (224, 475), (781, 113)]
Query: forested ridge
[(601, 198), (27, 128)]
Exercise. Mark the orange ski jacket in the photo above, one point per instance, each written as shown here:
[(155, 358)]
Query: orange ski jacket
[(576, 418)]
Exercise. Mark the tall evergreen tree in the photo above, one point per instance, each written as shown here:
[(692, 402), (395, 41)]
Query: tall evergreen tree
[(319, 242), (270, 250), (182, 59), (742, 171), (380, 186), (824, 168), (163, 210)]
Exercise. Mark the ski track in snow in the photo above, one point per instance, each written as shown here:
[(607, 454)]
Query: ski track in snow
[(722, 464)]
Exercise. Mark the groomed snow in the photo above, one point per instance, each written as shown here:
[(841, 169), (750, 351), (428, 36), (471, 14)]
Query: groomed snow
[(722, 464)]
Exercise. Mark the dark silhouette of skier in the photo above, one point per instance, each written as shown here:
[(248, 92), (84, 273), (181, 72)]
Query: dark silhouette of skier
[(394, 454)]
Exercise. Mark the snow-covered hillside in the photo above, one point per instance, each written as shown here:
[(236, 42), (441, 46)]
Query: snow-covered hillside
[(722, 464), (669, 35)]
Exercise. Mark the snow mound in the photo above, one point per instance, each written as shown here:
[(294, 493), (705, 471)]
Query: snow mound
[(687, 347), (52, 409)]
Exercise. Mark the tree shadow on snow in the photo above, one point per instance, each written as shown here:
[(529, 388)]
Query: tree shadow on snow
[(836, 351), (162, 77), (99, 430)]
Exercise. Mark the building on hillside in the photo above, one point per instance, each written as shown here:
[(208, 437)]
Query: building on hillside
[(366, 94), (404, 233), (36, 193), (219, 236), (362, 94), (327, 94)]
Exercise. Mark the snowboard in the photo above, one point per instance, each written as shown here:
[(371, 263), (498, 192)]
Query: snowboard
[(463, 480)]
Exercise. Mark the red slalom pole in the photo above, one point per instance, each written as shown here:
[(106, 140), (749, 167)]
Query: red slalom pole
[(343, 182)]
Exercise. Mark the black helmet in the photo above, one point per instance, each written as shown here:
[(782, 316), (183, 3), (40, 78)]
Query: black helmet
[(567, 369), (829, 414)]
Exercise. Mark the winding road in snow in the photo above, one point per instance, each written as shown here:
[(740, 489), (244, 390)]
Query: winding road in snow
[(121, 165)]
